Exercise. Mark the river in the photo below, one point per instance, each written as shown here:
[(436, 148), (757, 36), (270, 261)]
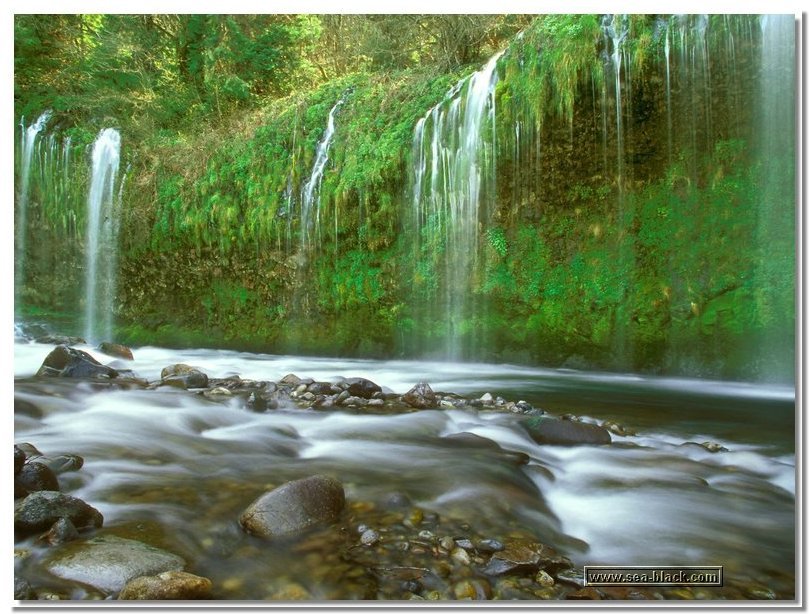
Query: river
[(176, 469)]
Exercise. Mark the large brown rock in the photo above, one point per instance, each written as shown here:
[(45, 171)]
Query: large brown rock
[(64, 361), (294, 507), (167, 585)]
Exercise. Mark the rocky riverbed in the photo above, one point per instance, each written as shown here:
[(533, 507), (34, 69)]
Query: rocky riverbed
[(336, 540)]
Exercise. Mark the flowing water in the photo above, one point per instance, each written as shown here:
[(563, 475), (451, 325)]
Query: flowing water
[(27, 141), (310, 197), (102, 236), (176, 469), (455, 140)]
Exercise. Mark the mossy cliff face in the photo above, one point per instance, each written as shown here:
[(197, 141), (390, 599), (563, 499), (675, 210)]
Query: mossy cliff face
[(636, 217)]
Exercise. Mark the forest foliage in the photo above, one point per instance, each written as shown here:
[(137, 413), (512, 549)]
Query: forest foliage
[(615, 257)]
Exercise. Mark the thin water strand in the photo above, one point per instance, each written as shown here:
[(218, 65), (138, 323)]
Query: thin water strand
[(102, 236)]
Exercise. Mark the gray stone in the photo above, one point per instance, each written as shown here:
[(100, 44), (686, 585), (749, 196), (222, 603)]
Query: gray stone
[(35, 476), (183, 376), (369, 537), (290, 379), (19, 459), (62, 531), (361, 387), (39, 510), (109, 562), (294, 507), (167, 585), (22, 589), (420, 396), (543, 429)]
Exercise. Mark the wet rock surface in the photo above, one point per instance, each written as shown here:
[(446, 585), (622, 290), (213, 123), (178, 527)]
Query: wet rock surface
[(40, 510), (65, 361), (546, 430), (109, 562), (167, 585), (294, 507)]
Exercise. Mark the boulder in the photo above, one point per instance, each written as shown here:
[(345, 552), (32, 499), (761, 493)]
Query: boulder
[(183, 376), (361, 387), (39, 510), (108, 562), (116, 349), (19, 459), (323, 388), (64, 361), (294, 507), (290, 379), (35, 476), (543, 429), (420, 396), (167, 585)]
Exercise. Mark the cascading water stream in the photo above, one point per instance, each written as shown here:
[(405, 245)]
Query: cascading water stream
[(451, 140), (27, 146), (310, 196), (102, 236)]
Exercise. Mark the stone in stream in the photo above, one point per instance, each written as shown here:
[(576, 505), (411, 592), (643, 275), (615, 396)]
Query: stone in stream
[(19, 459), (183, 376), (361, 387), (22, 589), (167, 585), (294, 507), (39, 510), (323, 388), (420, 396), (62, 531), (64, 361), (35, 476), (116, 349), (290, 379), (543, 429), (108, 562), (522, 556)]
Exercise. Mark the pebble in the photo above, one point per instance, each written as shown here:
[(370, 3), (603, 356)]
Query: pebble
[(447, 543), (490, 545), (369, 537), (543, 578), (461, 555)]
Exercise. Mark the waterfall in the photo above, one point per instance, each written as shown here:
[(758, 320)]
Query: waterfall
[(310, 196), (102, 236), (27, 145), (776, 223), (456, 141)]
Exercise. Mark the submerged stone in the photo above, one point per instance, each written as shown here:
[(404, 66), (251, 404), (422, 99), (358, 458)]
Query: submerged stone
[(167, 585), (294, 507), (109, 562)]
